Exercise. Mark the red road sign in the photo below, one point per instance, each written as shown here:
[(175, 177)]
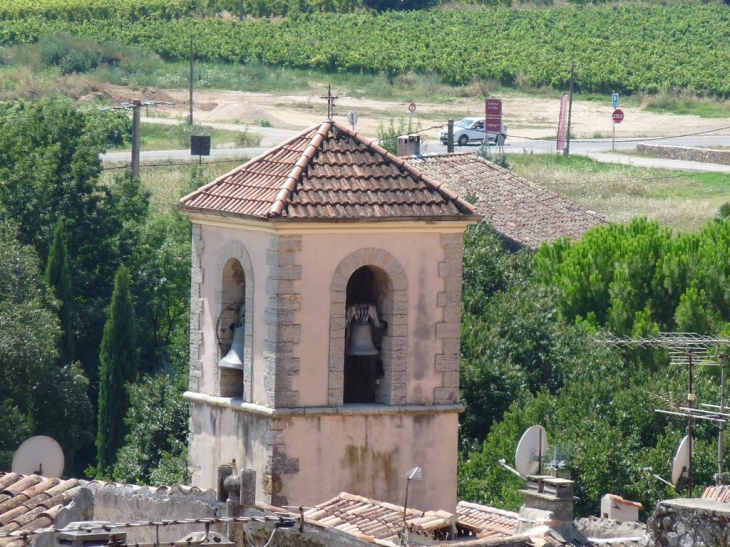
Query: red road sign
[(412, 107), (618, 115), (493, 112)]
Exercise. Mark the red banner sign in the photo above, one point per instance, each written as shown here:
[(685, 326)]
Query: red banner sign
[(493, 115), (562, 123)]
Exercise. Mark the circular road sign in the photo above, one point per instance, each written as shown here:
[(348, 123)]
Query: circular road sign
[(618, 115), (412, 107)]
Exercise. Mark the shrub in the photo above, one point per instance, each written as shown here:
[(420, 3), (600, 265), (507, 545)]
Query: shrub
[(69, 53)]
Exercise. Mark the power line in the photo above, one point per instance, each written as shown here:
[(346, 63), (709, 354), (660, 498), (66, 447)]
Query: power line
[(154, 165)]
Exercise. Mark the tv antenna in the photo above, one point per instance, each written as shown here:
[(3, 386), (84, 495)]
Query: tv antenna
[(414, 474), (559, 460), (690, 350), (530, 452), (39, 455)]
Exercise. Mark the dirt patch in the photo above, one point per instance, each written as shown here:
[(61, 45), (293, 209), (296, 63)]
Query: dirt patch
[(526, 117), (119, 94)]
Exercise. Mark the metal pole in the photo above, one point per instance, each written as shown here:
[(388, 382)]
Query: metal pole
[(721, 434), (690, 423), (136, 105), (570, 108), (240, 10), (190, 119), (450, 137), (613, 138)]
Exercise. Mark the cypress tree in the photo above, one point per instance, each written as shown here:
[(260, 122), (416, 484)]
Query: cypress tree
[(58, 279), (118, 359)]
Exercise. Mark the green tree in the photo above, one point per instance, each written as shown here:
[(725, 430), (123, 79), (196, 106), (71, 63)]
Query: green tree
[(118, 369), (28, 334), (49, 168), (155, 449), (57, 278), (161, 285)]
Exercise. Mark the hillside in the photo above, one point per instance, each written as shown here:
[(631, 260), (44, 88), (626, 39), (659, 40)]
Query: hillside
[(628, 49)]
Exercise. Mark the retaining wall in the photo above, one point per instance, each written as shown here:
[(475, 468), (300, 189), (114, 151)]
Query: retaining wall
[(704, 155)]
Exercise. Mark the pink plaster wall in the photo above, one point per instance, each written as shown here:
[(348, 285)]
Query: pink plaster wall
[(369, 454), (419, 253), (256, 244), (219, 435)]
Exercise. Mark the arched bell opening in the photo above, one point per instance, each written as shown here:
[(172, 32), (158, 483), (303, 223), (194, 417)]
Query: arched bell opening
[(230, 329), (367, 298)]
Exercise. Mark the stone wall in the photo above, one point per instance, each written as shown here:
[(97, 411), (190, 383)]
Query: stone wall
[(703, 155), (449, 331), (689, 523)]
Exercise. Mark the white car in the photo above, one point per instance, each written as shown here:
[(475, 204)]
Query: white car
[(472, 130)]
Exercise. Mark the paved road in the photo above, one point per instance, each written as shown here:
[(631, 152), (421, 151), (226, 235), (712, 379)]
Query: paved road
[(597, 149)]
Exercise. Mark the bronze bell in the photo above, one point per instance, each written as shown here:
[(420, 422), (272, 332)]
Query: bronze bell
[(361, 339), (234, 358)]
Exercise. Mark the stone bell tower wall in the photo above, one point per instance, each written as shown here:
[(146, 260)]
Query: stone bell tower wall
[(423, 267)]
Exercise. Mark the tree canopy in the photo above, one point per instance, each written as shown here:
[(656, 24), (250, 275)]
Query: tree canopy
[(529, 355)]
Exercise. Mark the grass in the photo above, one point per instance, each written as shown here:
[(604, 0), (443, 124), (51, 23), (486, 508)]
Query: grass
[(683, 201), (174, 137), (169, 181), (685, 102)]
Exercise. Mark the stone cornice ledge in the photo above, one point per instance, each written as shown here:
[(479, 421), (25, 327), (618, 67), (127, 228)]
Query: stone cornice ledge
[(345, 410)]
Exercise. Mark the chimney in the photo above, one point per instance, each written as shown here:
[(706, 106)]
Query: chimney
[(237, 491), (409, 145), (547, 499)]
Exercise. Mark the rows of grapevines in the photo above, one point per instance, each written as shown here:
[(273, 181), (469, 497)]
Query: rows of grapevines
[(625, 49), (83, 10)]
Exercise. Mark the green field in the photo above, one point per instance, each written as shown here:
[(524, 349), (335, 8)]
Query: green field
[(684, 201), (628, 49)]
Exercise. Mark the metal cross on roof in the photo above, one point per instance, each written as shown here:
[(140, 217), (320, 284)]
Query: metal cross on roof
[(330, 102)]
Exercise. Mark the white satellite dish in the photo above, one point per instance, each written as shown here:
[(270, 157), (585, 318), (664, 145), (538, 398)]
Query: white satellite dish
[(39, 455), (681, 463), (531, 450)]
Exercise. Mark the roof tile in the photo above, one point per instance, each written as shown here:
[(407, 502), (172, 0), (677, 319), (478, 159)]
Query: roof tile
[(516, 208), (377, 520), (328, 172)]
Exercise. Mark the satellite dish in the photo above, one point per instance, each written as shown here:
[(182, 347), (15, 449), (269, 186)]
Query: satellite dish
[(39, 455), (531, 450), (680, 467)]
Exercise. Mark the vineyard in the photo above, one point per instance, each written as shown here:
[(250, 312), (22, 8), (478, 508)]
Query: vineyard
[(617, 48)]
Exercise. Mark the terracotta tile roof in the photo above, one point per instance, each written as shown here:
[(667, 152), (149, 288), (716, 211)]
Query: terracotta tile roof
[(377, 520), (31, 502), (717, 493), (517, 208), (488, 521), (328, 173)]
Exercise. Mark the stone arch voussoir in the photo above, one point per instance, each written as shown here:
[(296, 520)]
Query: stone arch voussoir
[(234, 249)]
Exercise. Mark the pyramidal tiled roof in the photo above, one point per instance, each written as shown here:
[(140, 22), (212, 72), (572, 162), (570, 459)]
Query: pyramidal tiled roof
[(328, 173), (517, 208)]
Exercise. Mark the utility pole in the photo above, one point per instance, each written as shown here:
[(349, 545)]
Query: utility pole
[(450, 137), (240, 10), (690, 423), (190, 119), (721, 434), (570, 107), (136, 106)]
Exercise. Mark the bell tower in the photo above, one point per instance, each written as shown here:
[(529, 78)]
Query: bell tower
[(325, 323)]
